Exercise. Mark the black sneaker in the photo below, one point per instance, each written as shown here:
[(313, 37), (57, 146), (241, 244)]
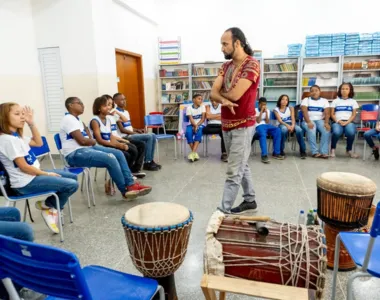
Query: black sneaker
[(156, 164), (150, 167), (283, 154), (224, 157), (278, 156), (139, 174), (245, 207), (376, 153), (265, 159), (303, 155)]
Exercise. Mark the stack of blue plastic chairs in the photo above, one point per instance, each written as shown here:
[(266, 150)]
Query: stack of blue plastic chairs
[(365, 44), (352, 44), (325, 44), (312, 46), (376, 43), (294, 50), (338, 44)]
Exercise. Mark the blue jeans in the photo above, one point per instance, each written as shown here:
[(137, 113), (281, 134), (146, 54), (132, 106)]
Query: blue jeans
[(337, 131), (312, 137), (104, 157), (192, 137), (368, 137), (150, 144), (10, 225), (64, 186), (299, 136), (261, 134)]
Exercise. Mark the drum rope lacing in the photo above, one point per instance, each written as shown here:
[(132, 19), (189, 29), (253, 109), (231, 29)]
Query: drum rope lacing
[(294, 248)]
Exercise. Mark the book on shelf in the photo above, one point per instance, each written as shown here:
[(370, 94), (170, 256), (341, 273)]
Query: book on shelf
[(173, 110), (174, 86), (201, 71), (280, 81), (174, 73), (171, 124), (202, 84), (283, 67), (362, 65), (174, 97)]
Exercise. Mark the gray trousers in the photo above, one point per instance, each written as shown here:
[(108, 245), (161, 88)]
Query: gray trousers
[(238, 146)]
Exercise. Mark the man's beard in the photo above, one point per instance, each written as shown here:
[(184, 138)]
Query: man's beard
[(230, 55)]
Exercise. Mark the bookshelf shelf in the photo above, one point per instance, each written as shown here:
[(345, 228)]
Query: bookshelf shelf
[(361, 70), (174, 91), (280, 86), (281, 72), (171, 115), (321, 86), (174, 77), (203, 76)]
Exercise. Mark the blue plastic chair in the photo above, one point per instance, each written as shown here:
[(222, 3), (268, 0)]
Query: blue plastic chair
[(14, 199), (58, 274), (364, 250), (157, 121), (370, 107), (86, 177)]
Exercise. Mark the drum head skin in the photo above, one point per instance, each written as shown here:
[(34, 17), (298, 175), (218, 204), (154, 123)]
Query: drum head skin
[(157, 214), (346, 183)]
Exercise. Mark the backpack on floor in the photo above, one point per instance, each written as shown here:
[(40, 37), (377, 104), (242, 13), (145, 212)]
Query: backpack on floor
[(7, 186)]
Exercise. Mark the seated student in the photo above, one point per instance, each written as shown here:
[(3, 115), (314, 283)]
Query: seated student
[(136, 149), (214, 125), (316, 117), (126, 131), (343, 112), (287, 123), (197, 115), (263, 128), (23, 167), (375, 132), (80, 150)]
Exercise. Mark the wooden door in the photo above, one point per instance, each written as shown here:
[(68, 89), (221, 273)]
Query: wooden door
[(129, 72)]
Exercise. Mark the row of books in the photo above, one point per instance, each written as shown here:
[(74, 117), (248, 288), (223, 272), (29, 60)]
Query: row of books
[(171, 110), (280, 81), (363, 80), (171, 124), (284, 67), (365, 64), (367, 95), (202, 84), (200, 71), (174, 97), (174, 73), (173, 86)]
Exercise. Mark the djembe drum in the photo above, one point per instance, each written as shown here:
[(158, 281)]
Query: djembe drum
[(289, 254), (157, 235), (344, 204)]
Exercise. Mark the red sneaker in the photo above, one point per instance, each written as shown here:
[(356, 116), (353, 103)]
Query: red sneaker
[(143, 189), (132, 192)]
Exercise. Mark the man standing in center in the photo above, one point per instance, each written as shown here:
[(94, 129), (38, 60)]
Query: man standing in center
[(236, 89)]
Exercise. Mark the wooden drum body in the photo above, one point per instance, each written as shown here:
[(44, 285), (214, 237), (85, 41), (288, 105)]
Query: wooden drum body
[(345, 199), (157, 236), (290, 254)]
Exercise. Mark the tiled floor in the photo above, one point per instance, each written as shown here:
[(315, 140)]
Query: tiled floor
[(282, 187)]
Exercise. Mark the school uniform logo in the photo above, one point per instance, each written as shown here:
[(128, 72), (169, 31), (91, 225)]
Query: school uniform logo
[(127, 124), (113, 127), (316, 108), (106, 136), (30, 159), (343, 108)]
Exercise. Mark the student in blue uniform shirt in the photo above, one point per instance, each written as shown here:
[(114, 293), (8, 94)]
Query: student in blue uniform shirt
[(343, 112), (263, 128), (197, 115), (287, 122)]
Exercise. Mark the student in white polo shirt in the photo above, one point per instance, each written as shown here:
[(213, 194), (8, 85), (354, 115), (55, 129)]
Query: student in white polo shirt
[(80, 150), (343, 112), (23, 167), (316, 116)]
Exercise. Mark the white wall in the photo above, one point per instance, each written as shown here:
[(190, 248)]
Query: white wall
[(19, 67), (269, 25), (67, 24)]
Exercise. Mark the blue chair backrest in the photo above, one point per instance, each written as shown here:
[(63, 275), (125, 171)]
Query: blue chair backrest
[(185, 117), (44, 149), (57, 141), (154, 120), (375, 229), (41, 268), (300, 115), (273, 116), (370, 107)]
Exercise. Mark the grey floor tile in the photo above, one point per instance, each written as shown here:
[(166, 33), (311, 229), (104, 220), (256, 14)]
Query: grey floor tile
[(282, 189)]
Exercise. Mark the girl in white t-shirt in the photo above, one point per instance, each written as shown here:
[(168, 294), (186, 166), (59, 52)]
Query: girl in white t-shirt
[(23, 168), (287, 122), (343, 112)]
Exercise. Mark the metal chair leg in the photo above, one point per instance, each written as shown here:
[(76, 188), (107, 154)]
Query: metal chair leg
[(91, 187), (158, 151), (70, 211), (25, 211), (12, 290), (85, 174), (59, 216), (175, 147), (29, 211), (96, 173), (336, 266), (351, 281), (81, 185)]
